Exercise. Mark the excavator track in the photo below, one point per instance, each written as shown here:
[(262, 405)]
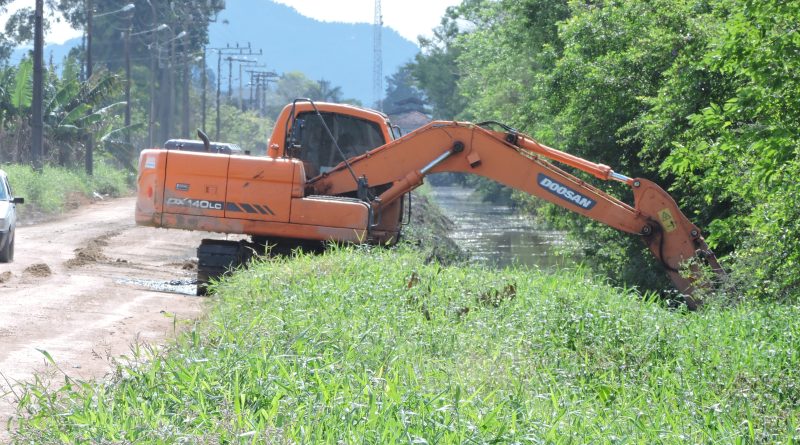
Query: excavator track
[(216, 258)]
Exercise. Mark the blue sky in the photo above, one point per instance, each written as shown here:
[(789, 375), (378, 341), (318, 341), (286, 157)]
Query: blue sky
[(408, 17)]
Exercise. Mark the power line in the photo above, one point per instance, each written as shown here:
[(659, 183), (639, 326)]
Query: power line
[(261, 80), (228, 51)]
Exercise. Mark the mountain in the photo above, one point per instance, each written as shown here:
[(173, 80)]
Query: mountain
[(338, 52), (53, 52)]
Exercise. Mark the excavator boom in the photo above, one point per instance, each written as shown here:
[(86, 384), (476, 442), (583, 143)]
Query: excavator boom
[(520, 162)]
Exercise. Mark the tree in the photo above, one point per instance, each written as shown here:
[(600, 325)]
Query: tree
[(296, 85), (325, 92), (171, 60), (6, 45), (740, 147), (435, 70), (698, 95), (19, 27), (16, 95), (506, 59), (401, 94), (247, 129)]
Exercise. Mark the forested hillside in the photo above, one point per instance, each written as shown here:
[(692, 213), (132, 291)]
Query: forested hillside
[(698, 95)]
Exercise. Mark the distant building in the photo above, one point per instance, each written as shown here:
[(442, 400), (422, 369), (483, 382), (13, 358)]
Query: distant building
[(409, 121)]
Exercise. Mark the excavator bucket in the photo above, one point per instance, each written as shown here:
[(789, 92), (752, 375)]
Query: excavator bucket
[(677, 243)]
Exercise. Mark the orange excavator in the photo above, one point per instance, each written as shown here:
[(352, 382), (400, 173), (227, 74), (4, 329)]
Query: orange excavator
[(340, 173)]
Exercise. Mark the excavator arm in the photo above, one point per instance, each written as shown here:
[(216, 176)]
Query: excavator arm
[(518, 161)]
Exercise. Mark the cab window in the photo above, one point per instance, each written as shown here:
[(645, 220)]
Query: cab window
[(314, 147)]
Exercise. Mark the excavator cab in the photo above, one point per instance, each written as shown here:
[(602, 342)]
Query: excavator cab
[(310, 141), (322, 135)]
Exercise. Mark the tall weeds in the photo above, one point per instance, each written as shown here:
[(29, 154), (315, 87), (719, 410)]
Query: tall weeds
[(377, 346)]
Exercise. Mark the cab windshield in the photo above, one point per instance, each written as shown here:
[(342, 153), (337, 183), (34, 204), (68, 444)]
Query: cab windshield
[(314, 146)]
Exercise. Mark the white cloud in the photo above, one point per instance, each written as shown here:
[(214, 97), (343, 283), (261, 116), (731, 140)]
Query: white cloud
[(60, 31)]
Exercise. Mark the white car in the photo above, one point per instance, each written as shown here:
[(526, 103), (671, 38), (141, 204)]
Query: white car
[(8, 219)]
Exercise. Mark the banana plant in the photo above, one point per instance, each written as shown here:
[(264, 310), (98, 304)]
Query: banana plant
[(73, 108), (22, 94), (79, 108), (6, 83), (16, 94)]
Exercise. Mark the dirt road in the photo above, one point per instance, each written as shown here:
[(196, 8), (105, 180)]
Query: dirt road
[(73, 291)]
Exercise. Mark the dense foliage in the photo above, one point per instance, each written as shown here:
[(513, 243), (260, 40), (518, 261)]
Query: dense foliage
[(359, 346), (699, 95)]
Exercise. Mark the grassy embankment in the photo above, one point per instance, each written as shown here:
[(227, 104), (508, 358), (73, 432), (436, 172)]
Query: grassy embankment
[(56, 189), (380, 346)]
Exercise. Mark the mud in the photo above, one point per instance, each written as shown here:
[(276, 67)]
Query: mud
[(92, 252), (38, 270), (190, 264)]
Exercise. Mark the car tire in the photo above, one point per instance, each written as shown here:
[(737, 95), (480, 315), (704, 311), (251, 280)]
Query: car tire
[(7, 252)]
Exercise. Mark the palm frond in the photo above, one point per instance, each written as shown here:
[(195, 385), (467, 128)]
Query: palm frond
[(102, 88), (75, 115), (23, 86), (67, 94), (118, 131)]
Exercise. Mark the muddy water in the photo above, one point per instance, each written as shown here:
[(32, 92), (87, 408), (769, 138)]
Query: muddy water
[(496, 235), (183, 287)]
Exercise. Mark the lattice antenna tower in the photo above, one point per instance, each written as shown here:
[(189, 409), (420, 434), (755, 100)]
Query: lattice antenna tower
[(377, 58)]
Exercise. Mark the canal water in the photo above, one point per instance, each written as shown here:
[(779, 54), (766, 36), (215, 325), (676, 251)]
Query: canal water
[(497, 235)]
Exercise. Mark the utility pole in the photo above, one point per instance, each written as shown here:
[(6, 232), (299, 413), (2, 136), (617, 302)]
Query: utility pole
[(127, 36), (152, 115), (261, 80), (37, 124), (168, 92), (227, 51), (377, 58), (241, 62), (185, 96), (128, 80), (219, 81), (152, 82), (204, 80), (89, 158), (230, 78), (89, 18), (170, 96)]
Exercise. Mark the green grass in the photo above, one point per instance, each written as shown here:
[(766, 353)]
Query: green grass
[(54, 188), (375, 346)]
